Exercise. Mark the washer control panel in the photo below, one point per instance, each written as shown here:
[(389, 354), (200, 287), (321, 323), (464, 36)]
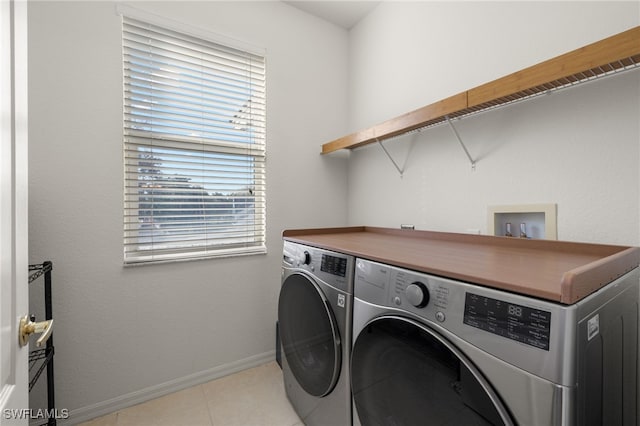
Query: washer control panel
[(462, 308), (510, 320), (425, 295)]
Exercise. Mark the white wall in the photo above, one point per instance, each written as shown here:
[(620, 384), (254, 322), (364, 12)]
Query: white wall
[(125, 334), (578, 148)]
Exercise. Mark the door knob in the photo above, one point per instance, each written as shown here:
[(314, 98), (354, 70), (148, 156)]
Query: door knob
[(28, 327)]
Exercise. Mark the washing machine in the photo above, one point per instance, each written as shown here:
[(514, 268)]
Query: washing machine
[(314, 320), (428, 350)]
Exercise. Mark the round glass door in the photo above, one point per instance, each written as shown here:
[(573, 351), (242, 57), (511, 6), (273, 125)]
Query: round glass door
[(310, 338), (405, 374)]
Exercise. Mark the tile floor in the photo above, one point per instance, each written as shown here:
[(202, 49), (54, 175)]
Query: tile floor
[(253, 397)]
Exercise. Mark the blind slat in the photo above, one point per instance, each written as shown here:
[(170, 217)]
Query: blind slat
[(218, 112), (194, 146), (210, 70), (143, 81)]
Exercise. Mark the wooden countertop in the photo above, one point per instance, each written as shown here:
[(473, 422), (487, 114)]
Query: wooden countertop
[(558, 271)]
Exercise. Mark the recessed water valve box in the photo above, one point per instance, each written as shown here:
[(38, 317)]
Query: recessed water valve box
[(537, 221)]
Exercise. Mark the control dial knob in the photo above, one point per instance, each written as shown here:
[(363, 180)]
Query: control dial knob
[(305, 258), (417, 294)]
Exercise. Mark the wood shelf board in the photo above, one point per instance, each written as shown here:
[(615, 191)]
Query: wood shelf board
[(587, 60), (586, 63), (413, 120), (559, 271)]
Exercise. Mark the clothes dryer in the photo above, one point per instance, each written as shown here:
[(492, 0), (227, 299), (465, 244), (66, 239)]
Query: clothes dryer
[(433, 351), (314, 317)]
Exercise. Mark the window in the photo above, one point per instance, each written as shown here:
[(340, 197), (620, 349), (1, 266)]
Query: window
[(194, 146)]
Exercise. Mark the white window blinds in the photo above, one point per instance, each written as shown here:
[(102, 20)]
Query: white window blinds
[(194, 146)]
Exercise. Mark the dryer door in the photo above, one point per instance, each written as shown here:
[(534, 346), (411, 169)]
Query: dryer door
[(309, 334), (404, 373)]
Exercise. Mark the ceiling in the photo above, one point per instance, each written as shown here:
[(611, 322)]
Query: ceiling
[(345, 14)]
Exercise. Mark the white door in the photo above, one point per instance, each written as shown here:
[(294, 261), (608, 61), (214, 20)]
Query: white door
[(14, 396)]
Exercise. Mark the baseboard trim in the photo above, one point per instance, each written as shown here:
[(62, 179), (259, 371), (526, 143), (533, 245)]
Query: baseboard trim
[(89, 412)]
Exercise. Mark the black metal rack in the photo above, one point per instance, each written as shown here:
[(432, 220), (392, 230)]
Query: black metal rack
[(43, 358)]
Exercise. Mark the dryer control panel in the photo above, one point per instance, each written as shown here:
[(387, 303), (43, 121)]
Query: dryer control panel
[(334, 269), (334, 265)]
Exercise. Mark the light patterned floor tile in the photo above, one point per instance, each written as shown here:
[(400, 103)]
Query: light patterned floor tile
[(187, 408), (108, 420), (253, 397)]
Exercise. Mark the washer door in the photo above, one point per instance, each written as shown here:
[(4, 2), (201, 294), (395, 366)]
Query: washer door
[(403, 373), (309, 334)]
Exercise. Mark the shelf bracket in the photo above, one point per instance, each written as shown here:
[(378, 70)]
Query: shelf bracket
[(401, 171), (466, 151)]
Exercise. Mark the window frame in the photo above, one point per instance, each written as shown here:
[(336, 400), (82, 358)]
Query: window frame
[(217, 154)]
